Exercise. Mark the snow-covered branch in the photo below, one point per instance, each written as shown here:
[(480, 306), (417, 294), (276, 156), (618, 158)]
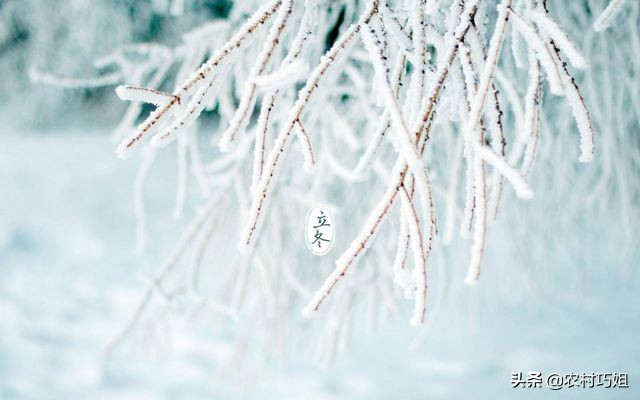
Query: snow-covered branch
[(424, 109)]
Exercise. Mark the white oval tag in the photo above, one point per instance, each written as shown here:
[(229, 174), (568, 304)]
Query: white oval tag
[(319, 230)]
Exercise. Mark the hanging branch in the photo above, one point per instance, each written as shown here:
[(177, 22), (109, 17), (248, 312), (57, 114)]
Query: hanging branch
[(605, 19), (264, 187), (426, 74), (533, 102), (376, 218), (407, 145), (241, 117), (202, 75)]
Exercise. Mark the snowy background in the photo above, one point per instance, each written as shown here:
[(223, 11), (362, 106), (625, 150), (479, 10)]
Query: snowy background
[(559, 293)]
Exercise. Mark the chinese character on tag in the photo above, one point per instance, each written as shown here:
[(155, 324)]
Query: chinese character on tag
[(319, 230)]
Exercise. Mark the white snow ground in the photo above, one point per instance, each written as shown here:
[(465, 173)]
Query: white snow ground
[(68, 280)]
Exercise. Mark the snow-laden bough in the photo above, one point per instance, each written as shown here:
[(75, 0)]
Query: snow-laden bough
[(407, 101)]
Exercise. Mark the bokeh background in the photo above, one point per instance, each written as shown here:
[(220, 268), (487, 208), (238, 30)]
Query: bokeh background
[(559, 293)]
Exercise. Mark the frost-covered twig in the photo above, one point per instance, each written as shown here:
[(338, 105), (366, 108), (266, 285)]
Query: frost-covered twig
[(376, 218), (531, 130), (169, 264), (240, 119), (560, 38), (534, 40), (407, 146), (605, 19), (146, 95), (578, 108), (65, 82), (201, 79), (419, 257), (264, 187)]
